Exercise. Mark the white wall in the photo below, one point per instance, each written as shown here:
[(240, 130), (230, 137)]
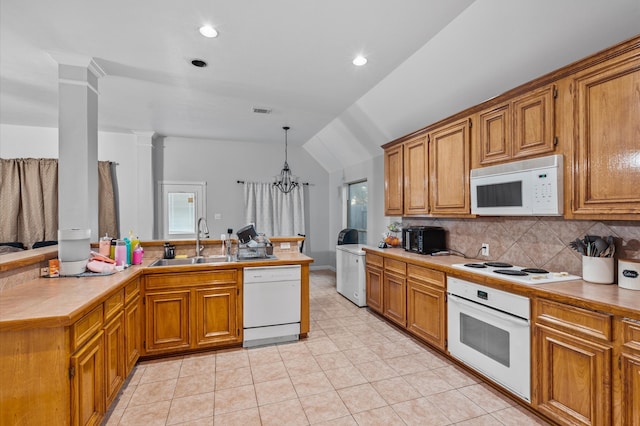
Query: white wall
[(42, 142), (222, 163), (373, 171)]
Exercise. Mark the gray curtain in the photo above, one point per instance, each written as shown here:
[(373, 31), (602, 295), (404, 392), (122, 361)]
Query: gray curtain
[(107, 211), (274, 213), (29, 200)]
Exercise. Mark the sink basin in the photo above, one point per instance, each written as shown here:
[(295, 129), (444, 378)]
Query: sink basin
[(189, 261)]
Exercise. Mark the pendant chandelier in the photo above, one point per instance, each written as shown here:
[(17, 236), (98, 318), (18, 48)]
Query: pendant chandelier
[(285, 181)]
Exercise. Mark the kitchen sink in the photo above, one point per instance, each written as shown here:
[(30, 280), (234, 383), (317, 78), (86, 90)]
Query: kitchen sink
[(189, 261)]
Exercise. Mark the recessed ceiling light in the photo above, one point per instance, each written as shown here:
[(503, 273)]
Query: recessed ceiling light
[(359, 61), (198, 63), (208, 31)]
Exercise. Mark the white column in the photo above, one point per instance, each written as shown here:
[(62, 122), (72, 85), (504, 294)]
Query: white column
[(78, 142), (146, 188)]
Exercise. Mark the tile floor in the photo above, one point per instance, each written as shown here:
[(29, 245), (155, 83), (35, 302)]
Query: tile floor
[(354, 369)]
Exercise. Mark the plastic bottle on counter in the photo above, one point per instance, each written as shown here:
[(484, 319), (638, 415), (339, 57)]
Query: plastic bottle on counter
[(121, 253), (138, 253), (112, 249), (127, 243), (105, 245)]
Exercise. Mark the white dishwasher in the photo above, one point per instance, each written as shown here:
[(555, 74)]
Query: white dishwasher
[(271, 306)]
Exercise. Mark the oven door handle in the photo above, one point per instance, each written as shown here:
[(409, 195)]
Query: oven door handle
[(486, 310)]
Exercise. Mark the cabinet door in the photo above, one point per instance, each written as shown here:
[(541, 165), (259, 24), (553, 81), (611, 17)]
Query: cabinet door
[(628, 382), (449, 166), (494, 135), (574, 378), (533, 123), (132, 333), (630, 372), (426, 312), (394, 294), (167, 317), (216, 315), (114, 362), (393, 181), (374, 288), (416, 176), (87, 383), (606, 143)]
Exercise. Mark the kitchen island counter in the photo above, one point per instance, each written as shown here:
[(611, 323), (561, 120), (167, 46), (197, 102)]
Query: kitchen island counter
[(55, 302)]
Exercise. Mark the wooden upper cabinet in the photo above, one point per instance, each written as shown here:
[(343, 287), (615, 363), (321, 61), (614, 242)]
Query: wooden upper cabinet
[(416, 176), (518, 128), (494, 134), (533, 122), (607, 138), (393, 181), (449, 152)]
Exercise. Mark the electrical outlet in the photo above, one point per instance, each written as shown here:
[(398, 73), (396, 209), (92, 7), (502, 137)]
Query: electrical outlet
[(44, 271), (485, 249)]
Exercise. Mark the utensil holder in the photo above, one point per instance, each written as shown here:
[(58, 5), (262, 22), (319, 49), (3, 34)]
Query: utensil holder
[(598, 270)]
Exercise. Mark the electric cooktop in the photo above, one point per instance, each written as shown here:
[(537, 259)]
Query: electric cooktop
[(516, 274)]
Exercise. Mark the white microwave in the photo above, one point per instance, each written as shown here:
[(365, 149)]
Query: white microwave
[(521, 188)]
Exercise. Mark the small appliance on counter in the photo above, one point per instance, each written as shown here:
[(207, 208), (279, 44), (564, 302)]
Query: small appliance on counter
[(74, 248), (424, 239), (348, 236)]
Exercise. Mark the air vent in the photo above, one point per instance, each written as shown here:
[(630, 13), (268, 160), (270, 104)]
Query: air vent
[(259, 110)]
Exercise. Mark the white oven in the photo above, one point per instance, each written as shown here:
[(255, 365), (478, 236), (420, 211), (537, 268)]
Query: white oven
[(489, 331)]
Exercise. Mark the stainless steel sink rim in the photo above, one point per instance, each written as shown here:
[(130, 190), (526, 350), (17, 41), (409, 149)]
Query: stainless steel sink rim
[(201, 260)]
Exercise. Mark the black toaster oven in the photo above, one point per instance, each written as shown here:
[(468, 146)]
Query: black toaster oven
[(424, 239)]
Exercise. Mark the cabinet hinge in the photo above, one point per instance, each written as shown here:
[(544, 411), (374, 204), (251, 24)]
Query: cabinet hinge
[(72, 372), (555, 92), (238, 291), (555, 141), (144, 344), (619, 362), (470, 123), (428, 138)]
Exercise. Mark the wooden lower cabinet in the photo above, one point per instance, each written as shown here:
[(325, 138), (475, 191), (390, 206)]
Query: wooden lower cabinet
[(132, 333), (395, 298), (627, 380), (87, 382), (114, 357), (374, 282), (167, 319), (411, 296), (572, 364), (394, 291), (192, 310), (216, 315), (426, 316)]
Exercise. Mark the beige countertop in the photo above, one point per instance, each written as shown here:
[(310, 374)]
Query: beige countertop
[(55, 302), (605, 298)]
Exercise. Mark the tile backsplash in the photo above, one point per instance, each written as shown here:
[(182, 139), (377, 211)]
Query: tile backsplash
[(541, 242)]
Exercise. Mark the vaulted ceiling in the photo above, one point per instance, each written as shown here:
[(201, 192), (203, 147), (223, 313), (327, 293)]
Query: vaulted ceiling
[(427, 59)]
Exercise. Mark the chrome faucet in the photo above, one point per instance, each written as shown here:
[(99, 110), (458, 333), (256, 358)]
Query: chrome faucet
[(206, 234)]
